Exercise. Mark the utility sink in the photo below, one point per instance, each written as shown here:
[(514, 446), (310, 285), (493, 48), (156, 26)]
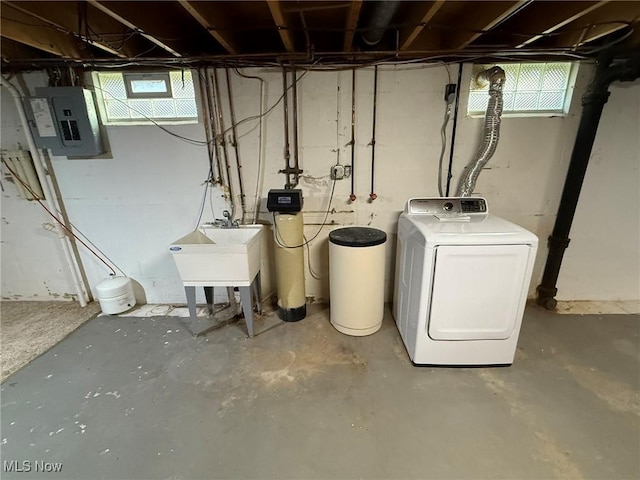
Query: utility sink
[(218, 256)]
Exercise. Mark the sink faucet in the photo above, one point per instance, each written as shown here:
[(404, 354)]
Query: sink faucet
[(228, 223)]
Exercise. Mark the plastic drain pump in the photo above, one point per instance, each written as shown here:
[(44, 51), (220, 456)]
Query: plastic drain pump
[(286, 206), (115, 295)]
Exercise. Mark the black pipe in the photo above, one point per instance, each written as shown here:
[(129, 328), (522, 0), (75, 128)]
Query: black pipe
[(352, 197), (287, 153), (593, 103), (372, 195), (296, 164), (453, 130)]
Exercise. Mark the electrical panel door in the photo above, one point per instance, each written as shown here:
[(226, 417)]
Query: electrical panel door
[(64, 119)]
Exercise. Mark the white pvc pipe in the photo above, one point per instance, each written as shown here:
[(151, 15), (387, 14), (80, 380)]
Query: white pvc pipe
[(48, 194)]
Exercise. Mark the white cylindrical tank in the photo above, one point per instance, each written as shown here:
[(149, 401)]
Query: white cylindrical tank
[(356, 279), (289, 258), (115, 295)]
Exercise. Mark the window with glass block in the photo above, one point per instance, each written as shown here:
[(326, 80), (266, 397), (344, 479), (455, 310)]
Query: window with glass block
[(530, 88), (117, 107)]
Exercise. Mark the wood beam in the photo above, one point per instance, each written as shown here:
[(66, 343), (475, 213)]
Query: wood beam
[(28, 30), (484, 17), (426, 18), (13, 50), (283, 28), (555, 16), (65, 18), (350, 24), (599, 23), (203, 12), (116, 11)]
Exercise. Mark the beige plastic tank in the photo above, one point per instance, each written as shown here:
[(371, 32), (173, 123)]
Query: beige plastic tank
[(289, 257), (356, 279)]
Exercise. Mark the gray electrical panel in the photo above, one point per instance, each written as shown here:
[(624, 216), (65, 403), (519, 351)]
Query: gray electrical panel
[(65, 120)]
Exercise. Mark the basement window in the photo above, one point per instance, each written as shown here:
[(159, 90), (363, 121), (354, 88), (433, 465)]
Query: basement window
[(144, 98), (530, 89)]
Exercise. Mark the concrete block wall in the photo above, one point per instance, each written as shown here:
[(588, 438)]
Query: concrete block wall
[(134, 204)]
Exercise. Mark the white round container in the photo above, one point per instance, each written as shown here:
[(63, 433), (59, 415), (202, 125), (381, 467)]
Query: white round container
[(115, 295), (356, 279)]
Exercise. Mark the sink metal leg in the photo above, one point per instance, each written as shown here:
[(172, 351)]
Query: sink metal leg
[(247, 307), (256, 288), (232, 300), (191, 301), (208, 293)]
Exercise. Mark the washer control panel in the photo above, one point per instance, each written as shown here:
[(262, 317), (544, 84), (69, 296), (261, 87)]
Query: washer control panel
[(447, 206)]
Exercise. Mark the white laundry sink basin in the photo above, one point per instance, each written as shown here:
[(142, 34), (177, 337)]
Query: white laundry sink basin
[(218, 257)]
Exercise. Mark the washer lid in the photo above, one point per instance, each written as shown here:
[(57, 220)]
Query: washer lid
[(357, 237)]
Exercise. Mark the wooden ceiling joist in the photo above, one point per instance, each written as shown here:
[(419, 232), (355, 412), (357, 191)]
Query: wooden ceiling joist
[(11, 50), (115, 11), (549, 19), (486, 16), (350, 24), (28, 30), (283, 28), (66, 19), (204, 12), (426, 18), (599, 23)]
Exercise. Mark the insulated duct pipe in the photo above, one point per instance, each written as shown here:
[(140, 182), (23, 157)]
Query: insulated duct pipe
[(379, 21), (495, 77), (593, 103), (48, 194)]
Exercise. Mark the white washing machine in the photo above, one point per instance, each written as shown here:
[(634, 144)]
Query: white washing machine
[(462, 277)]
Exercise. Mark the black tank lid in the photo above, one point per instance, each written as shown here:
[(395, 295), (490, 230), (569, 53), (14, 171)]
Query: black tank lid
[(357, 237)]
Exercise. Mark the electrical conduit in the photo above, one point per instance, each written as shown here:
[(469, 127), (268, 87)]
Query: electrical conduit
[(48, 194)]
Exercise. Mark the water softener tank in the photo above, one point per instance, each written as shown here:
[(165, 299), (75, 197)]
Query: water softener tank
[(356, 279), (115, 295), (289, 252)]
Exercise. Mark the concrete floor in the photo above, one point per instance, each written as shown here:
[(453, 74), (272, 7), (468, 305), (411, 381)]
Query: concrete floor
[(31, 328), (141, 398)]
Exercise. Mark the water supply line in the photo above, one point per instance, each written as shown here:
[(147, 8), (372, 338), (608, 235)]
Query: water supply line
[(287, 151), (292, 173), (212, 124), (372, 195), (234, 143), (495, 76), (65, 242), (217, 103), (296, 163), (352, 197), (214, 158), (260, 167)]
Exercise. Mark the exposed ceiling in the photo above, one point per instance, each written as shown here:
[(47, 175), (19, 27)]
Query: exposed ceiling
[(94, 33)]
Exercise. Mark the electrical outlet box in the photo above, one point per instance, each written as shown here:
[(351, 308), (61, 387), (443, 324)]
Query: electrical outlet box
[(337, 172), (64, 119)]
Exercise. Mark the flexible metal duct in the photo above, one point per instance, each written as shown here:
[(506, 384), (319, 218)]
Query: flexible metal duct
[(496, 77), (379, 21)]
